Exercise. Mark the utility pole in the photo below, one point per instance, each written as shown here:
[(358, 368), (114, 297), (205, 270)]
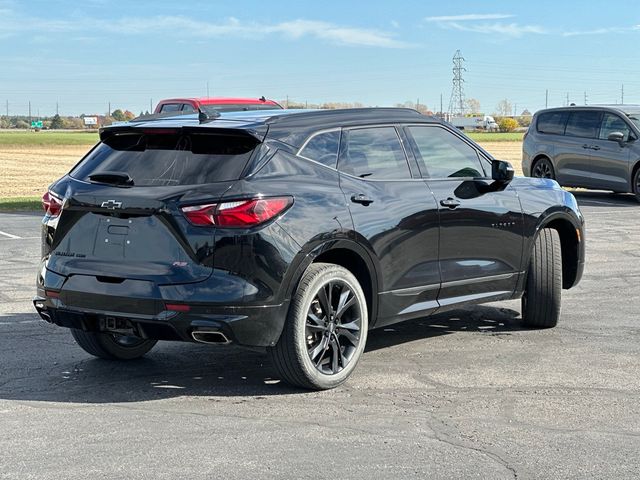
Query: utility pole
[(56, 108), (546, 99), (567, 104), (622, 95), (456, 103), (7, 108), (441, 113), (29, 112), (287, 103), (417, 103), (151, 105), (585, 98), (109, 110), (515, 109)]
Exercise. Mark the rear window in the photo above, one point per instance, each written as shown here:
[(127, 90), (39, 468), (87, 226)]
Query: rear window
[(552, 122), (153, 159)]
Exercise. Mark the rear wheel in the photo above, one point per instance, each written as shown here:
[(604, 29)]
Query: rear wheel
[(543, 289), (543, 168), (112, 347), (326, 329)]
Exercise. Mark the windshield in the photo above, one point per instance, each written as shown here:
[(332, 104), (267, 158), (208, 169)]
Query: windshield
[(635, 118), (152, 159)]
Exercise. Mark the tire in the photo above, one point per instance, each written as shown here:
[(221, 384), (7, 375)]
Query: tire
[(543, 288), (315, 350), (636, 184), (111, 347), (543, 168)]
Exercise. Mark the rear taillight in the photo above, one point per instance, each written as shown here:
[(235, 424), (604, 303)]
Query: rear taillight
[(51, 204), (237, 214)]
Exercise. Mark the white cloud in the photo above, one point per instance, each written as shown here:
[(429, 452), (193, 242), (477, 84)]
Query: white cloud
[(181, 26), (469, 17), (600, 31), (504, 29)]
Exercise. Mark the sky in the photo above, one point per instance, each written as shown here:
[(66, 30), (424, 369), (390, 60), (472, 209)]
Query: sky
[(81, 55)]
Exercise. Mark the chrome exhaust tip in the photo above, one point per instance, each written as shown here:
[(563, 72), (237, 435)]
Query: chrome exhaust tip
[(212, 337)]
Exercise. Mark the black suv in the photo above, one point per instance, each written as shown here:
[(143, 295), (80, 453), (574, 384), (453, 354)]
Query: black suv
[(297, 231)]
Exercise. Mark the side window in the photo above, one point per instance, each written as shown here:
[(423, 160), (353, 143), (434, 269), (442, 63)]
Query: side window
[(613, 123), (323, 148), (373, 153), (552, 122), (187, 108), (583, 124), (441, 154), (170, 107)]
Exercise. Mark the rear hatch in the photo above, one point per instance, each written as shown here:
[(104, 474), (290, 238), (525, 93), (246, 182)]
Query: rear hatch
[(121, 212)]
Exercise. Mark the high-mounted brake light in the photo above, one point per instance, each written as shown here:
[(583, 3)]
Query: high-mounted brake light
[(237, 214), (51, 204)]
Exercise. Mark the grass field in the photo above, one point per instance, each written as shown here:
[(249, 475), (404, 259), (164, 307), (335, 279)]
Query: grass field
[(30, 161), (46, 138), (496, 136)]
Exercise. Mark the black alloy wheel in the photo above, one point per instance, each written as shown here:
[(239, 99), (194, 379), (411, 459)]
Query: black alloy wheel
[(333, 327), (543, 169)]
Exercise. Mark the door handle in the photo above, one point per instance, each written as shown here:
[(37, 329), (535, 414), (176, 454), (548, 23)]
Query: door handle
[(585, 146), (362, 199), (595, 147), (450, 203)]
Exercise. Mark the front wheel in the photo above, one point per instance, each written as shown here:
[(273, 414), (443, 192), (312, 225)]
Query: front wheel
[(636, 184), (543, 289), (326, 329), (543, 168), (112, 347)]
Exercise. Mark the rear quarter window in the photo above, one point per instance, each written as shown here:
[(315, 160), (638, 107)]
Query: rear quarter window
[(152, 159), (552, 122)]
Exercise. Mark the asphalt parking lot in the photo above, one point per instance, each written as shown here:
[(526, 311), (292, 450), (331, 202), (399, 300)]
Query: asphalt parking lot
[(467, 394)]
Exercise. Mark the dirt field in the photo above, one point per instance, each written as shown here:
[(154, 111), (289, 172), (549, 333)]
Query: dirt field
[(27, 170)]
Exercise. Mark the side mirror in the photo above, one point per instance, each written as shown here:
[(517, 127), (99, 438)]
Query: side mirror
[(501, 171), (616, 137)]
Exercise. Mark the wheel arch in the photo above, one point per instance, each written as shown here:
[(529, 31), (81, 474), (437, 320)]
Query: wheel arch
[(350, 255), (571, 242)]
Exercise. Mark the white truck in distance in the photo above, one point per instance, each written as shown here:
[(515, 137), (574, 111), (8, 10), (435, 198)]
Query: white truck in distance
[(486, 122)]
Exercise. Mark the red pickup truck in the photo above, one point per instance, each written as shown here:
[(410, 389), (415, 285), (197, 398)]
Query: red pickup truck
[(219, 104)]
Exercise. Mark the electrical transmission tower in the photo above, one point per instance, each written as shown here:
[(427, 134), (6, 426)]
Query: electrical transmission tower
[(456, 104)]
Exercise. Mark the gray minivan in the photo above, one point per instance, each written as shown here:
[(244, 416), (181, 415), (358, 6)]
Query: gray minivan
[(587, 146)]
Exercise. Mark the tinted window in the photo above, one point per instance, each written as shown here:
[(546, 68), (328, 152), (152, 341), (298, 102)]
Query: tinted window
[(441, 154), (374, 153), (583, 124), (188, 108), (170, 107), (552, 122), (613, 123), (323, 148), (169, 159)]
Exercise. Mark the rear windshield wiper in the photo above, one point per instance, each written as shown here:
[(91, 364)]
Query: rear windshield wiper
[(112, 178)]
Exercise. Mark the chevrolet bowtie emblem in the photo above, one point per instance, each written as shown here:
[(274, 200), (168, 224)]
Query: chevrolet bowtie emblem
[(111, 204)]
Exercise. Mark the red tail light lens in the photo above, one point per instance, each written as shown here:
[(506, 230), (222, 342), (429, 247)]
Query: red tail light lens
[(51, 204), (237, 214)]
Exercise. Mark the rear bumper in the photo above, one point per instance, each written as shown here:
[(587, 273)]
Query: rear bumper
[(255, 326)]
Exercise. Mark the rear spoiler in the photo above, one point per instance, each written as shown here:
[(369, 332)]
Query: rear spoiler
[(255, 132)]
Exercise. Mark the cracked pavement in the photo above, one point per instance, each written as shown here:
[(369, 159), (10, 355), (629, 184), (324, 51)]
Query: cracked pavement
[(466, 394)]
